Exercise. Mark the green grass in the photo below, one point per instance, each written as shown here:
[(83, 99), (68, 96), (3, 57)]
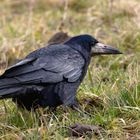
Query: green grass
[(112, 82)]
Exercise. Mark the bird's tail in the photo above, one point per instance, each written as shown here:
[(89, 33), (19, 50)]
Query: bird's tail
[(9, 87)]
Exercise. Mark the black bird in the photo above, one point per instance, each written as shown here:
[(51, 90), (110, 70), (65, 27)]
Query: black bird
[(50, 76)]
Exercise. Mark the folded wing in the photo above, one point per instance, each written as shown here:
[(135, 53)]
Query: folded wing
[(55, 64)]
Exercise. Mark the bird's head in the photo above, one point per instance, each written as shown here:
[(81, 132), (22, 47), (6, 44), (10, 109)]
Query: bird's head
[(92, 45)]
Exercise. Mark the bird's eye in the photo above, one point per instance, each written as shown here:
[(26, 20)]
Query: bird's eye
[(92, 44)]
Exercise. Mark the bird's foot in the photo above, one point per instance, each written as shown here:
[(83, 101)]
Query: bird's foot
[(76, 107)]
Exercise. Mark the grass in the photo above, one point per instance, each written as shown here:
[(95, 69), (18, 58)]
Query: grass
[(112, 82)]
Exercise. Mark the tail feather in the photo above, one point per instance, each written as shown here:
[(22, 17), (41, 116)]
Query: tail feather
[(9, 87), (7, 82), (12, 87), (10, 92)]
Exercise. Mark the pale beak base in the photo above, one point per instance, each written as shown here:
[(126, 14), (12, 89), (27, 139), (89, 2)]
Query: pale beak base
[(100, 49)]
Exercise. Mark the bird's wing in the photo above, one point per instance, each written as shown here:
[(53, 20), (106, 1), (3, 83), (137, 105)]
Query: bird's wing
[(59, 62), (20, 63)]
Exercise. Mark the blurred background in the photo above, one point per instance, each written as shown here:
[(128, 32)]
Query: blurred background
[(27, 25), (114, 81)]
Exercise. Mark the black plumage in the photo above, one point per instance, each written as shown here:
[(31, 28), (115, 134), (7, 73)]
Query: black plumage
[(50, 76)]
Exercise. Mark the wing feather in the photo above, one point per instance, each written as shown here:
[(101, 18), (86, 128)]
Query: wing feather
[(56, 64)]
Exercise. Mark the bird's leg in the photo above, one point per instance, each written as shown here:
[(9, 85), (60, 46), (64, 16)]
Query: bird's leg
[(73, 104), (52, 109), (76, 106)]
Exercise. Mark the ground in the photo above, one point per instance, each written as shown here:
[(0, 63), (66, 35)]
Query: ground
[(112, 83)]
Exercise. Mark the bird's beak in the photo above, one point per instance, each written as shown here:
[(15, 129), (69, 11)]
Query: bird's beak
[(100, 49)]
